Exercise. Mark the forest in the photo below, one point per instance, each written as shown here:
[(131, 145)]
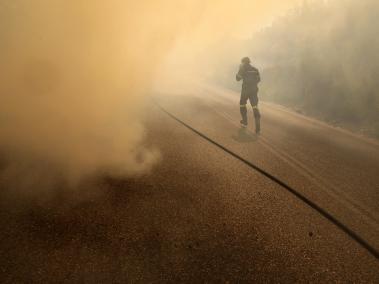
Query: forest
[(322, 59)]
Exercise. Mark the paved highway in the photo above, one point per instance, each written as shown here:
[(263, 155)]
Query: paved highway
[(334, 168), (203, 216)]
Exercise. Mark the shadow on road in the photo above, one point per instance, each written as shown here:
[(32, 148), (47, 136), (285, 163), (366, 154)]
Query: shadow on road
[(243, 136)]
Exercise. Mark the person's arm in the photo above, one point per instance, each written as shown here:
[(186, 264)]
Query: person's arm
[(258, 76), (240, 74)]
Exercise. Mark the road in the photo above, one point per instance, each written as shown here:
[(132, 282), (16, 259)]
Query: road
[(335, 168), (203, 216)]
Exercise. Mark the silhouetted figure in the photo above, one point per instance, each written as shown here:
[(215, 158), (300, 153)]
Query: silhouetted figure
[(250, 78)]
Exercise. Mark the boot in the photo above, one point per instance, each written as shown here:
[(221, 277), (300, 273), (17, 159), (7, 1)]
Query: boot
[(243, 111), (258, 125)]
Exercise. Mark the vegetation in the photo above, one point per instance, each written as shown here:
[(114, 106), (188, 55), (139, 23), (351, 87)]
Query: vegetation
[(324, 59)]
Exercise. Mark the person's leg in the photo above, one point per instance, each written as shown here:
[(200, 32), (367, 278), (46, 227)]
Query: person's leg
[(243, 108), (254, 104)]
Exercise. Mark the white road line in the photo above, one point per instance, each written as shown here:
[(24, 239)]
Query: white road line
[(300, 167)]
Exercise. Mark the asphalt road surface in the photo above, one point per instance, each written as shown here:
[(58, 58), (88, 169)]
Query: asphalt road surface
[(203, 216)]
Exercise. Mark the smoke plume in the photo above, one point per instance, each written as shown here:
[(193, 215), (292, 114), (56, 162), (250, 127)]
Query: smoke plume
[(75, 76)]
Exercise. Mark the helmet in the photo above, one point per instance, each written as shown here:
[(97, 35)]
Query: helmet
[(246, 60)]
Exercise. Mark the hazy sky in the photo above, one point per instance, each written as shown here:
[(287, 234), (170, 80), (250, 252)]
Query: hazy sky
[(268, 10), (247, 15)]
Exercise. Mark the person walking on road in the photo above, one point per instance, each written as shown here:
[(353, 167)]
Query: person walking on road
[(250, 79)]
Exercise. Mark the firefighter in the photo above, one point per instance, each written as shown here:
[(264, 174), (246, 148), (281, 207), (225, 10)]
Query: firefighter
[(250, 78)]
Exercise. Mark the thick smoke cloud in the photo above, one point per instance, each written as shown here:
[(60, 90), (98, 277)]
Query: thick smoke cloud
[(75, 76), (71, 90)]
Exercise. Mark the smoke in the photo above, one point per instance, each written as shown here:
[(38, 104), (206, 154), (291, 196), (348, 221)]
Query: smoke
[(323, 59), (71, 92), (75, 76), (207, 51)]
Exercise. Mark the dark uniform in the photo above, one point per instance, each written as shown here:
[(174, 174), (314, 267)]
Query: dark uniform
[(251, 77)]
